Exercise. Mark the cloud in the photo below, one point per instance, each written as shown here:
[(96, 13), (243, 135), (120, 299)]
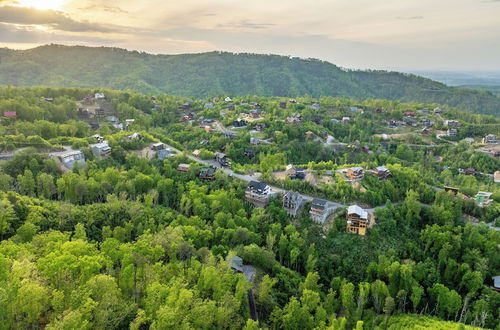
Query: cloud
[(246, 24), (11, 33), (412, 17), (54, 19), (106, 8)]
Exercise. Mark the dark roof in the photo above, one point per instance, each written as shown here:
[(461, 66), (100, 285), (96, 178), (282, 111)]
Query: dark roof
[(318, 201), (257, 185)]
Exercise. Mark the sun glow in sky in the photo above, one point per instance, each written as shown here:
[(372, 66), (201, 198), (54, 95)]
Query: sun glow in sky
[(42, 4)]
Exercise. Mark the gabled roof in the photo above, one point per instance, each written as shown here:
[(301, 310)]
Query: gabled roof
[(355, 209), (258, 186), (382, 169), (10, 114), (318, 201)]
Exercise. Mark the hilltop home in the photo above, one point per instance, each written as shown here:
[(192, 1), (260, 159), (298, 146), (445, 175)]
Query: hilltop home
[(206, 174), (101, 150), (249, 153), (452, 123), (98, 138), (99, 96), (239, 123), (454, 191), (208, 105), (346, 120), (382, 172), (355, 173), (295, 172), (438, 110), (70, 158), (163, 153), (258, 193), (222, 159), (483, 198), (292, 202), (490, 139), (282, 105), (319, 211), (409, 113), (357, 220), (158, 146), (183, 167), (452, 132)]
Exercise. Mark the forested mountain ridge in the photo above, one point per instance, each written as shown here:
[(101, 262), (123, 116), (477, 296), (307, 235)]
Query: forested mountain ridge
[(216, 73)]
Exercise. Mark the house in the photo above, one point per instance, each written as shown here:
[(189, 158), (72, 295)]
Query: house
[(468, 140), (163, 153), (483, 198), (10, 114), (452, 132), (196, 153), (129, 121), (496, 283), (282, 105), (70, 158), (438, 110), (99, 96), (258, 193), (357, 220), (239, 123), (409, 113), (134, 136), (236, 264), (452, 123), (49, 99), (228, 99), (256, 113), (158, 146), (292, 202), (229, 134), (355, 173), (231, 107), (346, 120), (222, 159), (294, 119), (411, 122), (490, 139), (254, 141), (382, 172), (183, 167), (427, 122), (206, 174), (320, 210), (293, 101), (208, 105), (315, 106), (470, 171), (496, 176), (425, 131), (309, 134), (249, 153), (101, 150), (260, 127), (454, 191), (295, 172)]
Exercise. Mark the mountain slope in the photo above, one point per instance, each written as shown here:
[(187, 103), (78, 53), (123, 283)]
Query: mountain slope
[(209, 74)]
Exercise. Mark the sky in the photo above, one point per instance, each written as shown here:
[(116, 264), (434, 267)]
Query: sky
[(363, 34)]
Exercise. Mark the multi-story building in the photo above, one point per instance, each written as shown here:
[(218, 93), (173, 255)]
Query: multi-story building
[(292, 202), (258, 193), (357, 220)]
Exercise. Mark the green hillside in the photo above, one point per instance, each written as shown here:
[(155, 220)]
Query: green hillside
[(209, 74)]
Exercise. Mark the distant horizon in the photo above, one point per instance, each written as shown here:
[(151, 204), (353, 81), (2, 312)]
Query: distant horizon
[(418, 71)]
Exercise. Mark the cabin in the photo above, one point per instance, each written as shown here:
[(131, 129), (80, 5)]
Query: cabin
[(319, 211), (99, 96), (292, 201), (228, 134), (183, 167), (158, 146), (208, 105), (452, 132), (222, 159), (70, 158), (258, 193), (470, 171), (260, 127), (452, 123), (426, 122), (315, 106), (309, 134), (355, 173), (134, 136), (425, 131), (409, 113), (357, 220), (438, 110), (239, 123), (346, 120), (254, 141), (483, 198), (282, 105), (98, 138), (382, 172), (256, 113), (206, 174), (295, 172), (249, 153), (197, 153), (496, 176), (496, 283), (101, 150), (490, 139)]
